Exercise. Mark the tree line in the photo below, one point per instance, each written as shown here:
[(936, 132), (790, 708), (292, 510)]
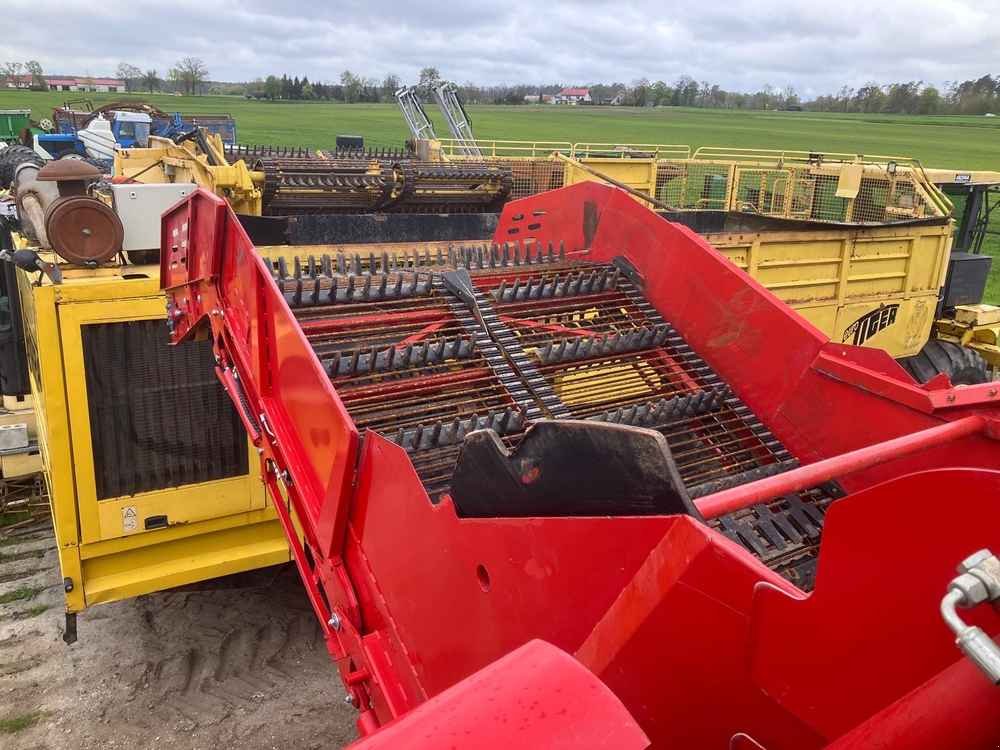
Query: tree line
[(350, 88), (189, 75), (976, 96), (14, 71)]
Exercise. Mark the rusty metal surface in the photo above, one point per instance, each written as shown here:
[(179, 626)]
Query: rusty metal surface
[(256, 151), (83, 230), (68, 170), (303, 183)]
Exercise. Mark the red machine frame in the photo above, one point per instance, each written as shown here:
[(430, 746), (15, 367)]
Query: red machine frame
[(705, 645)]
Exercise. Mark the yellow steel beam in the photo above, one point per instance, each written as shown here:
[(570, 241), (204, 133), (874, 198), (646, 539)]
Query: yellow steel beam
[(962, 177)]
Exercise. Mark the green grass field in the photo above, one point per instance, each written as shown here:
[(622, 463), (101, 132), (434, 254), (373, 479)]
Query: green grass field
[(960, 142), (945, 141)]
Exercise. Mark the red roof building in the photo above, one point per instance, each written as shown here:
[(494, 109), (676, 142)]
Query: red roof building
[(69, 83), (573, 96)]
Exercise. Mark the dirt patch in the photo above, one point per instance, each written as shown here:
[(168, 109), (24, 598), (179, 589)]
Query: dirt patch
[(234, 662)]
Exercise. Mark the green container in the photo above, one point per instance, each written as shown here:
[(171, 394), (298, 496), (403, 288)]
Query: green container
[(12, 122)]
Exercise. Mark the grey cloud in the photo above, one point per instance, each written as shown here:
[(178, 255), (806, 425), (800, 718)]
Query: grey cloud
[(740, 44)]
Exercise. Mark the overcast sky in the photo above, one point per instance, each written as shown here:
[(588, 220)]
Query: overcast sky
[(739, 44)]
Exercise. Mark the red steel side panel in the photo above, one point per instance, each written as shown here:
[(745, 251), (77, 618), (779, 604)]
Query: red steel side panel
[(492, 583), (698, 639), (701, 650), (189, 244), (956, 709), (535, 697), (871, 630), (674, 648), (210, 267)]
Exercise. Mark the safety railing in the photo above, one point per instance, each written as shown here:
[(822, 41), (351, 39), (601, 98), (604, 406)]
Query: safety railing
[(823, 187), (839, 188), (895, 173), (781, 156), (630, 151), (453, 148)]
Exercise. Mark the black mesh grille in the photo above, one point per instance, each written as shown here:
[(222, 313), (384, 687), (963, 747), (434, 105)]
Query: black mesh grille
[(13, 358), (158, 416)]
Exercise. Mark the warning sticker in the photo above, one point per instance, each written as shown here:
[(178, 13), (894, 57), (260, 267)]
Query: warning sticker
[(130, 519)]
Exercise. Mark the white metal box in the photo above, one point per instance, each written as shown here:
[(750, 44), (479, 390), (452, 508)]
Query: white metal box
[(140, 208), (13, 436)]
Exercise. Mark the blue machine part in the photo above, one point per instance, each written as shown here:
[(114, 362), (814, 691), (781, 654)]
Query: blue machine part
[(60, 144), (132, 129)]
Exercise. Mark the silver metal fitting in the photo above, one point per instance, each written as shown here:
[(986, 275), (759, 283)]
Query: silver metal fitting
[(334, 621), (973, 589), (974, 560), (267, 427), (978, 581), (987, 570)]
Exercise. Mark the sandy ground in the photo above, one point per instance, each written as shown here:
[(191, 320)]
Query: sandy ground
[(236, 662)]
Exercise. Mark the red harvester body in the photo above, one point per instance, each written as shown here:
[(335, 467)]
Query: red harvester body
[(668, 441)]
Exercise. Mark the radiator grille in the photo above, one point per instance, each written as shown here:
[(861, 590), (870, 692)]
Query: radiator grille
[(158, 416)]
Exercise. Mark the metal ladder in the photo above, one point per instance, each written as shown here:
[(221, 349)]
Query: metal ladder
[(416, 118), (458, 119)]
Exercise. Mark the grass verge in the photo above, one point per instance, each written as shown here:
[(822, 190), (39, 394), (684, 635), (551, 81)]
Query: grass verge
[(19, 723), (20, 594)]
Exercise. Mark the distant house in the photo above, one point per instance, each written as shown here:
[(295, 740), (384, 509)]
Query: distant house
[(71, 83), (62, 84), (572, 96), (19, 82), (532, 99), (110, 85)]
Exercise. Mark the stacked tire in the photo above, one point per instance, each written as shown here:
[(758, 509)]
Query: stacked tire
[(11, 158)]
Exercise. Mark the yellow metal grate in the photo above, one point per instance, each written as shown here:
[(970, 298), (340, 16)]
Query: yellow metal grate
[(530, 176), (838, 188), (693, 186)]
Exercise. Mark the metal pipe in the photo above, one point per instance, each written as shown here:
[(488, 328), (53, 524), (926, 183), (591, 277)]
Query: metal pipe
[(612, 181), (949, 614), (737, 498), (33, 214)]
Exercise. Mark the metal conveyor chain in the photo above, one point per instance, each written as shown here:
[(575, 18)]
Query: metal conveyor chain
[(425, 347)]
